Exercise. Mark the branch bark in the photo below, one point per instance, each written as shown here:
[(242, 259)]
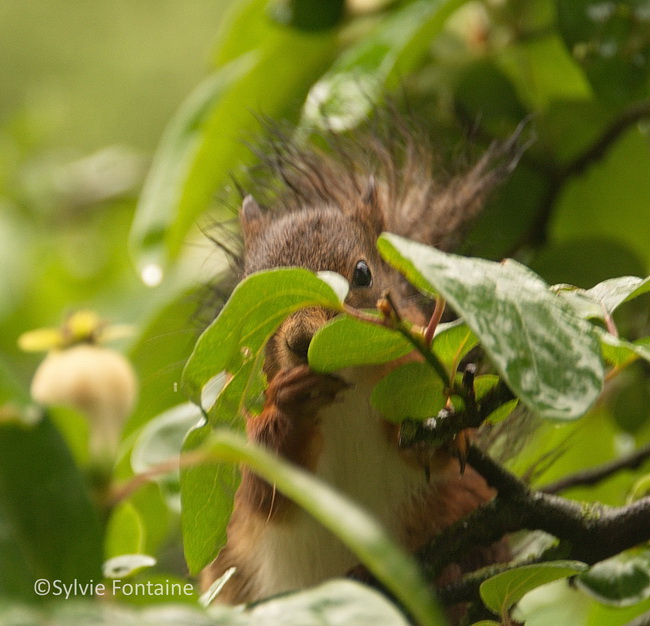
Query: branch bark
[(592, 532)]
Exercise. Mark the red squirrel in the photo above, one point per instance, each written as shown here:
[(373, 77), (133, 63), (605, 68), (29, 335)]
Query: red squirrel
[(327, 215)]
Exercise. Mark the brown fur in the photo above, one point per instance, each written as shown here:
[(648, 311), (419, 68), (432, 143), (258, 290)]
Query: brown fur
[(326, 215)]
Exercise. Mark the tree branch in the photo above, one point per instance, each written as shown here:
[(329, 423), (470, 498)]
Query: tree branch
[(538, 232), (441, 429), (592, 532), (595, 475)]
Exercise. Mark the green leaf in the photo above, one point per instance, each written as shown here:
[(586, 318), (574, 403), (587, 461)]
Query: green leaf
[(545, 353), (452, 342), (620, 581), (359, 532), (349, 91), (159, 442), (207, 493), (640, 489), (347, 342), (125, 531), (308, 15), (620, 352), (611, 41), (158, 207), (615, 291), (46, 504), (584, 306), (501, 592), (204, 143), (257, 306), (412, 391), (543, 71), (603, 299), (619, 178), (484, 384), (500, 414), (161, 439)]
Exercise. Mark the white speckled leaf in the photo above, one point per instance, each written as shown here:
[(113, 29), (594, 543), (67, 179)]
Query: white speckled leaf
[(615, 291), (604, 298), (547, 354)]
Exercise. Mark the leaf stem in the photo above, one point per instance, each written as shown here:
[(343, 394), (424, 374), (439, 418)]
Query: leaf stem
[(394, 321), (434, 321)]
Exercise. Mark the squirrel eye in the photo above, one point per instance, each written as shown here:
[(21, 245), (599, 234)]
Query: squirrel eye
[(362, 276)]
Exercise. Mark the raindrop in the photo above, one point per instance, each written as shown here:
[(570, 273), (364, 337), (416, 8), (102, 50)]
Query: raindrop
[(151, 275)]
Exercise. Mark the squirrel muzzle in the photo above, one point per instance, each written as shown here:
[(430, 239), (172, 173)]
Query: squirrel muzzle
[(289, 345)]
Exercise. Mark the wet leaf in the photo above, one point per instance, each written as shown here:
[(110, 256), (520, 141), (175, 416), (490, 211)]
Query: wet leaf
[(620, 581), (350, 90), (547, 354), (501, 592)]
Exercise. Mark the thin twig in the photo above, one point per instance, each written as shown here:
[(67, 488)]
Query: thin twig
[(595, 475), (434, 321), (123, 490), (438, 430), (558, 177)]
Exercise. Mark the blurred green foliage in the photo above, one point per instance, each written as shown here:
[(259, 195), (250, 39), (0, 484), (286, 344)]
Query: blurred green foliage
[(87, 208)]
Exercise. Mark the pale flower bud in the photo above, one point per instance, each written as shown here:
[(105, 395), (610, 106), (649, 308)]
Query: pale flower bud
[(95, 381), (78, 373)]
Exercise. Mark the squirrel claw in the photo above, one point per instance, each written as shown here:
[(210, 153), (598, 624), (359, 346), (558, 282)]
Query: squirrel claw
[(460, 446), (299, 391)]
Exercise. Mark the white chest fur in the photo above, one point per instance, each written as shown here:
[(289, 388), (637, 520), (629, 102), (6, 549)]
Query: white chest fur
[(358, 459)]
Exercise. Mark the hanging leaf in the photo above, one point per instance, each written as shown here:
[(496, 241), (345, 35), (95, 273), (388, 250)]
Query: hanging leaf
[(620, 581), (204, 143), (159, 205), (501, 592), (350, 90), (207, 493), (548, 356)]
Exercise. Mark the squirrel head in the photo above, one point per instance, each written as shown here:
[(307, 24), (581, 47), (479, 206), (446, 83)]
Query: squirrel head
[(319, 239), (329, 207)]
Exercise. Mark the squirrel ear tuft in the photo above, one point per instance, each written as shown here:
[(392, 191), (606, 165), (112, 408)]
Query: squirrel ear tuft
[(370, 209), (250, 218)]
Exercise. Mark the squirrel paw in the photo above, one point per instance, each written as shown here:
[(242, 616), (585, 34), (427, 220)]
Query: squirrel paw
[(301, 392)]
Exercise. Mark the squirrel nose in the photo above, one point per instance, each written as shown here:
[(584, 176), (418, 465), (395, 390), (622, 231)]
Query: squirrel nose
[(298, 331), (299, 345)]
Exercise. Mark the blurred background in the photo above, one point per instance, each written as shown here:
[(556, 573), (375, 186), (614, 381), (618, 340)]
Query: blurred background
[(86, 89), (122, 121)]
